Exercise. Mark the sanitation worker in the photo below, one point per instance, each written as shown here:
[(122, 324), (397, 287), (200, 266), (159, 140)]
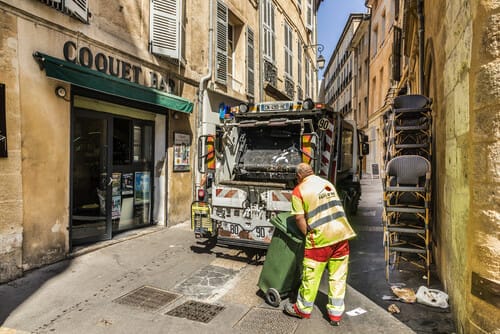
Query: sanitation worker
[(319, 215)]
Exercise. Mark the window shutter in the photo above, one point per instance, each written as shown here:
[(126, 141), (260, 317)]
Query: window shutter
[(309, 14), (299, 64), (288, 50), (165, 27), (78, 8), (250, 63), (396, 54), (221, 44)]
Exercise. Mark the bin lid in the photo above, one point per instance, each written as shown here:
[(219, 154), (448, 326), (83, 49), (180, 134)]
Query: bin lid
[(285, 222)]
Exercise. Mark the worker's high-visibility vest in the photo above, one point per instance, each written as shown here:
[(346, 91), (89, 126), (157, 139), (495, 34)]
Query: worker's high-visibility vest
[(317, 199)]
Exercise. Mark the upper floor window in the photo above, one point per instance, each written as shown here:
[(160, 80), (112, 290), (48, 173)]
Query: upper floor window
[(299, 63), (382, 27), (288, 50), (269, 32), (375, 40), (165, 28), (309, 14), (76, 8), (308, 84), (250, 63)]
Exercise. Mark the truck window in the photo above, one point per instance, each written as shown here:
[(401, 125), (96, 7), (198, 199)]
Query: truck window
[(347, 148)]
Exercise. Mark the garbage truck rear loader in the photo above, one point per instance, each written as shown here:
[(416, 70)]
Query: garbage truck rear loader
[(250, 164)]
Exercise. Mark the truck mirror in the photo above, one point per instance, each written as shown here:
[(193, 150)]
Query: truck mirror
[(206, 153)]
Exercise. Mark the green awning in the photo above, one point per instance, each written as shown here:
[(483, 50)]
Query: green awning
[(91, 79)]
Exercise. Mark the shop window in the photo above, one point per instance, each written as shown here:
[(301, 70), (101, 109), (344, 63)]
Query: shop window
[(121, 141), (143, 146), (132, 142)]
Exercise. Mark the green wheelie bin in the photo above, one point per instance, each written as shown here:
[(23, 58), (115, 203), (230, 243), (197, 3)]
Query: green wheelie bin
[(282, 270)]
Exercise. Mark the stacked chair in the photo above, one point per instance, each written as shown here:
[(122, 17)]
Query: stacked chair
[(407, 183)]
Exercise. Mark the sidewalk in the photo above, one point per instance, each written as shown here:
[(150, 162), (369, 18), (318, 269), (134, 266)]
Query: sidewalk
[(91, 294)]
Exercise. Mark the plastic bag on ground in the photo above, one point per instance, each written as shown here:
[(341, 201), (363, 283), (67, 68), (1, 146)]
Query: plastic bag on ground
[(432, 297)]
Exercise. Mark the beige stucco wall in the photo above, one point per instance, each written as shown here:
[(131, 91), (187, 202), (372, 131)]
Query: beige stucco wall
[(11, 192), (462, 62), (380, 73), (45, 151)]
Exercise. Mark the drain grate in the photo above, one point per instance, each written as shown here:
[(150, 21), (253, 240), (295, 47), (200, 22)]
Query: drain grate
[(263, 320), (147, 297), (196, 311)]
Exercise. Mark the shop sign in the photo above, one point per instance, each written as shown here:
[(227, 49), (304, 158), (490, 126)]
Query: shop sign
[(116, 67)]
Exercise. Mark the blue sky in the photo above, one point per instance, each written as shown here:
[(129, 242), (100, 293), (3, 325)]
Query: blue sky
[(332, 17)]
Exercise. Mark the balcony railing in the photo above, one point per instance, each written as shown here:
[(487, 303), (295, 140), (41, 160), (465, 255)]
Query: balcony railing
[(270, 73), (289, 87)]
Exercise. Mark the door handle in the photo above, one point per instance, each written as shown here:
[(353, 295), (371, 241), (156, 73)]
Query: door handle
[(110, 181)]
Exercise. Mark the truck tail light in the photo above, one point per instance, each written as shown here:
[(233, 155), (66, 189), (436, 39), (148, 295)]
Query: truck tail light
[(201, 194)]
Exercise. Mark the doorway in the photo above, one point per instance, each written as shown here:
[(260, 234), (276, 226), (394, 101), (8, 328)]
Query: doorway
[(112, 181)]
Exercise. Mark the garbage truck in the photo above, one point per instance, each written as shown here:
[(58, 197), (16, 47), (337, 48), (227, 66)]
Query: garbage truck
[(249, 166)]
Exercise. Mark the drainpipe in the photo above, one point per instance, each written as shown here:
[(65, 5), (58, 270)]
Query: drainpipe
[(202, 89), (261, 49), (420, 13), (204, 79)]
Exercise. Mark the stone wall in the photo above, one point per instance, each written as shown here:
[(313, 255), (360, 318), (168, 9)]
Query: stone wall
[(484, 167), (462, 75)]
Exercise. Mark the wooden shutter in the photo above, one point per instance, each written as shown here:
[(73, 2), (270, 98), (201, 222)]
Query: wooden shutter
[(165, 35), (396, 54), (78, 8), (221, 43), (288, 50), (309, 15), (250, 63)]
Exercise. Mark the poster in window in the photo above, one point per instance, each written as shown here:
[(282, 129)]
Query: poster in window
[(142, 191), (116, 184), (182, 149), (116, 207), (127, 184)]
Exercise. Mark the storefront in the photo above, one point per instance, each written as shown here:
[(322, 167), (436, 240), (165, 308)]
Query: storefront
[(118, 143)]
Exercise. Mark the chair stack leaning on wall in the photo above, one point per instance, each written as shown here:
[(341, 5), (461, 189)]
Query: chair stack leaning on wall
[(406, 183)]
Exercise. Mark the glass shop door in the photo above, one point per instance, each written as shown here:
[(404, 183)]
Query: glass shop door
[(91, 177)]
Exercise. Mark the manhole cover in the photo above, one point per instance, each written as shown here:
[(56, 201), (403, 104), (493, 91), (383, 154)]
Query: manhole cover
[(262, 320), (147, 297), (196, 311)]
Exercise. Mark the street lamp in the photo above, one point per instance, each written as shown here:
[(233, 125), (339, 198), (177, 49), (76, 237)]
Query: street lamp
[(320, 60)]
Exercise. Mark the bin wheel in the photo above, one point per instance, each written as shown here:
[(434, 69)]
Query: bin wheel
[(273, 297)]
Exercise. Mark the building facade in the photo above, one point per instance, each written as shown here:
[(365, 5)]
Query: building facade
[(263, 51), (385, 25), (346, 78), (338, 77), (101, 105)]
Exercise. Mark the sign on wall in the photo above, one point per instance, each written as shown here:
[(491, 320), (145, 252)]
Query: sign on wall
[(3, 124), (182, 147)]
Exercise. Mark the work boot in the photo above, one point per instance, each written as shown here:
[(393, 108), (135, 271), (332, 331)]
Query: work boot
[(289, 309), (334, 323)]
